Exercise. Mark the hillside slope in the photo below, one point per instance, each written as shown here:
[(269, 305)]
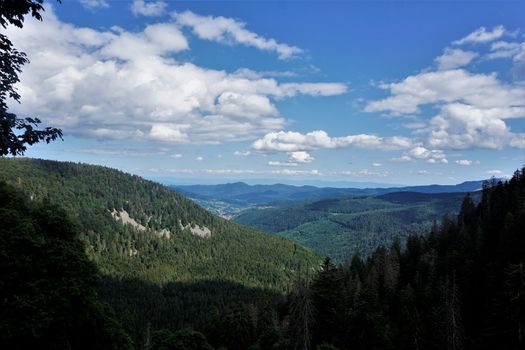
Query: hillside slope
[(136, 228), (339, 226)]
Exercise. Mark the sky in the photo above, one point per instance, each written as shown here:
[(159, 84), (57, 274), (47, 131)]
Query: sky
[(317, 92)]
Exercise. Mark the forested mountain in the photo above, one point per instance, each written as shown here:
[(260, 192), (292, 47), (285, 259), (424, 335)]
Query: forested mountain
[(461, 286), (166, 261), (339, 226), (48, 294), (242, 194)]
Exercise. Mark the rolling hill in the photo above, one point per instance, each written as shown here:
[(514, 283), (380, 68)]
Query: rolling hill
[(339, 226), (166, 262)]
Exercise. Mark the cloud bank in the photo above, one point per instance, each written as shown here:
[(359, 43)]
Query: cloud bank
[(118, 84)]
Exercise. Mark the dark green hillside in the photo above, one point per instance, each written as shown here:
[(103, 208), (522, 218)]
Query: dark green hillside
[(48, 295), (88, 194), (460, 286), (156, 282), (339, 226)]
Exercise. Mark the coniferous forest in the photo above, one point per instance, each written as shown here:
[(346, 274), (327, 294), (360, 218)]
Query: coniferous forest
[(459, 286)]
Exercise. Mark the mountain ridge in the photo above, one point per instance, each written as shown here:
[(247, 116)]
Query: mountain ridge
[(241, 193)]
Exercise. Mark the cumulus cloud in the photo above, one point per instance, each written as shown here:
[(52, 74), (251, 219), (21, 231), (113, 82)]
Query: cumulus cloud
[(148, 8), (300, 157), (93, 4), (294, 159), (290, 141), (455, 58), (482, 35), (483, 90), (504, 49), (432, 156), (472, 107), (227, 30), (119, 84), (424, 153), (464, 162)]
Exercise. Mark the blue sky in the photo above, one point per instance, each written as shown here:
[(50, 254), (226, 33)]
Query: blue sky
[(410, 92)]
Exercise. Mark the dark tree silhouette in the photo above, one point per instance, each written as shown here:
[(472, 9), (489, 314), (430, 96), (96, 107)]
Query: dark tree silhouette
[(17, 133)]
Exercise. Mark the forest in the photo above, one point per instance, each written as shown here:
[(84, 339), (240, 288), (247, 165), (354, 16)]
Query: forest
[(460, 285), (340, 226)]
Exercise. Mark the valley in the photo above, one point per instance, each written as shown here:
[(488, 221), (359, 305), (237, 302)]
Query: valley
[(336, 222)]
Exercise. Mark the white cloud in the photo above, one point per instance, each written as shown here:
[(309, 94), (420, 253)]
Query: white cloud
[(481, 35), (483, 90), (293, 172), (93, 4), (176, 156), (462, 126), (504, 49), (129, 85), (432, 156), (122, 152), (377, 164), (227, 30), (300, 157), (199, 158), (472, 107), (437, 161), (464, 162), (404, 158), (290, 141), (454, 58), (423, 172), (294, 159), (423, 153), (494, 172), (242, 153), (361, 173), (148, 8), (228, 171), (276, 163)]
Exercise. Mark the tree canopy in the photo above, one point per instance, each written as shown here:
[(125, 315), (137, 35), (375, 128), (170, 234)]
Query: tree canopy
[(17, 133)]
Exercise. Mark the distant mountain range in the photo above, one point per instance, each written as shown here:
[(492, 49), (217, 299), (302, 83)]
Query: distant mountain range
[(242, 194)]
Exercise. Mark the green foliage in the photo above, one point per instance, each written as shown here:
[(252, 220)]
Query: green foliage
[(47, 284), (89, 194), (184, 339), (222, 285), (459, 287), (339, 226), (16, 133)]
